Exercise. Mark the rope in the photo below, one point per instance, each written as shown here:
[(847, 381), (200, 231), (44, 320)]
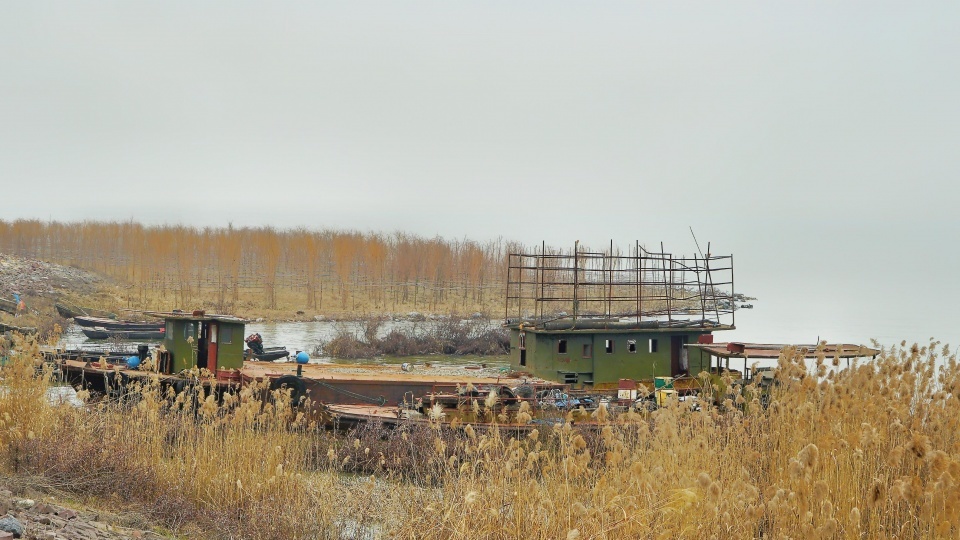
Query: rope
[(379, 400)]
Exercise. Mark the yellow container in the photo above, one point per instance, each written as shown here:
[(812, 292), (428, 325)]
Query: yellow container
[(664, 395)]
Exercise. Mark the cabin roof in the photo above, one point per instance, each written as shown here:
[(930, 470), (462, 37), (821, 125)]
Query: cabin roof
[(771, 350), (195, 316), (618, 330), (587, 325)]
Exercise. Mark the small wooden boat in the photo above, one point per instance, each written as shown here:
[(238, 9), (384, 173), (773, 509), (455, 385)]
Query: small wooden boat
[(4, 328), (69, 311), (8, 305), (99, 332), (109, 324), (269, 354), (89, 355)]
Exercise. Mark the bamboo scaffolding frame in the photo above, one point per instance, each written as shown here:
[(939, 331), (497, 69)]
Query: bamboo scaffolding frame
[(547, 284)]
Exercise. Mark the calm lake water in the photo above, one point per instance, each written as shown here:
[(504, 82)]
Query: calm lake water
[(305, 336)]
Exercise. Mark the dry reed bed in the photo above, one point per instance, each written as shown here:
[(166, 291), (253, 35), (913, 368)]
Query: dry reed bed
[(871, 451), (447, 336)]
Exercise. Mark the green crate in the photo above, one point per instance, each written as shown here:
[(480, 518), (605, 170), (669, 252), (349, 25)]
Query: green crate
[(663, 382)]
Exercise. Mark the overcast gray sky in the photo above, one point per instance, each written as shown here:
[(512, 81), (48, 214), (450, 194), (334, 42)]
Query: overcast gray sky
[(828, 126)]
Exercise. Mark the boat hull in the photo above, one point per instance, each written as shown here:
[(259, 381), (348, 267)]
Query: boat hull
[(21, 329), (8, 305), (109, 324), (268, 355), (69, 311), (378, 384), (102, 333), (350, 416)]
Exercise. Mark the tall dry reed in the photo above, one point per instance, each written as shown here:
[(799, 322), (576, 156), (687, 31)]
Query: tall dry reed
[(866, 451)]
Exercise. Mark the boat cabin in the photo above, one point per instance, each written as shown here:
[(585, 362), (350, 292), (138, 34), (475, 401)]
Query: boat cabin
[(590, 319), (599, 357), (212, 342)]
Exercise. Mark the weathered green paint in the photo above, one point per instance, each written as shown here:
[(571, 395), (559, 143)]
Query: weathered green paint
[(545, 358), (183, 352), (230, 355), (185, 335)]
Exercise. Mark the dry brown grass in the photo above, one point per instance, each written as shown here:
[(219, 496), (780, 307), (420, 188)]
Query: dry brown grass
[(871, 451)]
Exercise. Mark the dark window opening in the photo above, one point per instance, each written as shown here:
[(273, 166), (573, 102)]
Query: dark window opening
[(632, 345), (653, 345), (569, 378), (523, 357), (608, 345), (562, 346), (202, 340), (587, 350), (226, 335)]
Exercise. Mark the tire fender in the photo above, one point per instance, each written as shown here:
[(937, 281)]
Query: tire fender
[(298, 388)]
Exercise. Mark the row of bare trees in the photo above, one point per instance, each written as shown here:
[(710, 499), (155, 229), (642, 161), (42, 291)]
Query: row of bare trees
[(229, 268)]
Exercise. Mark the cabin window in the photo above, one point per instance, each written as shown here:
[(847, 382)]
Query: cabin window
[(653, 345), (587, 350), (608, 346), (187, 330), (226, 335), (570, 378), (168, 329), (631, 345), (562, 346), (522, 341)]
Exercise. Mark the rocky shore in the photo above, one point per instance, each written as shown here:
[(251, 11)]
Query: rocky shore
[(45, 520), (31, 277)]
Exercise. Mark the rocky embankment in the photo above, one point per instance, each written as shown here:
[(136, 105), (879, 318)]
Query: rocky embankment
[(32, 277), (41, 284), (39, 520)]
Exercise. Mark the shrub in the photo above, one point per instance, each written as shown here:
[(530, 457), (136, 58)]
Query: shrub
[(448, 336)]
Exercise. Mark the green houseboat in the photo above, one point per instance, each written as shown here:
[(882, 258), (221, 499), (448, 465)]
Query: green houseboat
[(599, 357), (591, 319)]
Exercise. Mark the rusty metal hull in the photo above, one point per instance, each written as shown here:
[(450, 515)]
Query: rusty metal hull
[(107, 378), (389, 392), (376, 385), (384, 386), (350, 416)]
